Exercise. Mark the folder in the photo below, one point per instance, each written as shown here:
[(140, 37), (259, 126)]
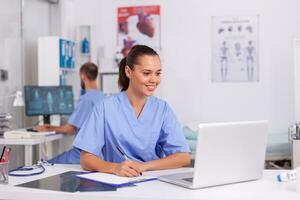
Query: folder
[(115, 180)]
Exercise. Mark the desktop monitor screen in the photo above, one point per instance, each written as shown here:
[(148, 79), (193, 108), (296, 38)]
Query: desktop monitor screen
[(48, 100)]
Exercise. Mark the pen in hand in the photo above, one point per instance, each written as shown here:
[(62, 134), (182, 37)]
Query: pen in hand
[(122, 153), (124, 156)]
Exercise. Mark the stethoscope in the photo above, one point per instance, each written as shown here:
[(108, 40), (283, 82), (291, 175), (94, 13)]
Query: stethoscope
[(29, 170)]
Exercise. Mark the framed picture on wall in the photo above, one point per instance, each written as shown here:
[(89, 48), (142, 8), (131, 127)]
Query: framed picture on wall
[(235, 49), (138, 25)]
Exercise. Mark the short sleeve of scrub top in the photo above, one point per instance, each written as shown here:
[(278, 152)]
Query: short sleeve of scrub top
[(171, 138)]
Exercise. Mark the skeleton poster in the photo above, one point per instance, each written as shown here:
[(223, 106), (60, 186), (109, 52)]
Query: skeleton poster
[(138, 25), (235, 49)]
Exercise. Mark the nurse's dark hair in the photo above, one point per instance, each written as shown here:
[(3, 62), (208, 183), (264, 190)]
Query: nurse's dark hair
[(90, 70), (131, 59)]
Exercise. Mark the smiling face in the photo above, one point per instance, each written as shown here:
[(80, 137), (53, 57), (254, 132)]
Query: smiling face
[(145, 75)]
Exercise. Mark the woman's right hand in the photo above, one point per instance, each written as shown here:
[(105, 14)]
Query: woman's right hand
[(126, 168)]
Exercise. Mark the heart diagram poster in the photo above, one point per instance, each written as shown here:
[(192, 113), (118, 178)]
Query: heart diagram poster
[(138, 25)]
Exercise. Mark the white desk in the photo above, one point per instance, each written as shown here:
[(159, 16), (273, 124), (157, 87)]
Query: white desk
[(28, 143), (266, 188)]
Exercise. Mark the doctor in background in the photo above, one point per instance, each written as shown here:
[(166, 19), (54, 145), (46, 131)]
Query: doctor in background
[(88, 77), (132, 131)]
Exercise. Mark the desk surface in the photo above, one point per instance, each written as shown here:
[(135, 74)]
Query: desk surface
[(266, 188)]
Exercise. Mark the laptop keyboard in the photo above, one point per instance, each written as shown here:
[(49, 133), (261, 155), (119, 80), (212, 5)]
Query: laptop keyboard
[(31, 130), (188, 179)]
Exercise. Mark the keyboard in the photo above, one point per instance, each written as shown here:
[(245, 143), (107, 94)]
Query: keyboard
[(23, 134), (31, 130)]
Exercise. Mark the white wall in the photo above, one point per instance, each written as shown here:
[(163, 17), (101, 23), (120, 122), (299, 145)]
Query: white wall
[(10, 56), (11, 60), (34, 27), (186, 45), (13, 57), (36, 19)]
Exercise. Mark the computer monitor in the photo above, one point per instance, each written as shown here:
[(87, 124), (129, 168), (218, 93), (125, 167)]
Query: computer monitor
[(48, 100)]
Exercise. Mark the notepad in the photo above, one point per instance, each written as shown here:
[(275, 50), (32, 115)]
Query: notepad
[(115, 180)]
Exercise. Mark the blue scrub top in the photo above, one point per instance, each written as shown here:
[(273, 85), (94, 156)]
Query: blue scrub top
[(154, 134), (83, 109)]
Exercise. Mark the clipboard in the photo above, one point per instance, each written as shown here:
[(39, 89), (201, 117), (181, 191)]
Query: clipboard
[(114, 180)]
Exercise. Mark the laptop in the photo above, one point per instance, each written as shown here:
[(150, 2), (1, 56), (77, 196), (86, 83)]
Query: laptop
[(226, 153)]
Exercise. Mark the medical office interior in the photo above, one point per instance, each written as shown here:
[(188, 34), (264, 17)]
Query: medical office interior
[(207, 77)]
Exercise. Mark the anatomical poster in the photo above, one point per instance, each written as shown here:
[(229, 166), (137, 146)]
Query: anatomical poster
[(235, 49), (138, 25)]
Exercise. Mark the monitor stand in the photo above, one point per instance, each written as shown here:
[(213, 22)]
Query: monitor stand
[(46, 119)]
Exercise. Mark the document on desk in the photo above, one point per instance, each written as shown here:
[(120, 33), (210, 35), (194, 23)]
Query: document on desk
[(115, 180)]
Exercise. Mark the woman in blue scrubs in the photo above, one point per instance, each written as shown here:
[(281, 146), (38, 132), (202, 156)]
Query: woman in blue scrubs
[(132, 131)]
